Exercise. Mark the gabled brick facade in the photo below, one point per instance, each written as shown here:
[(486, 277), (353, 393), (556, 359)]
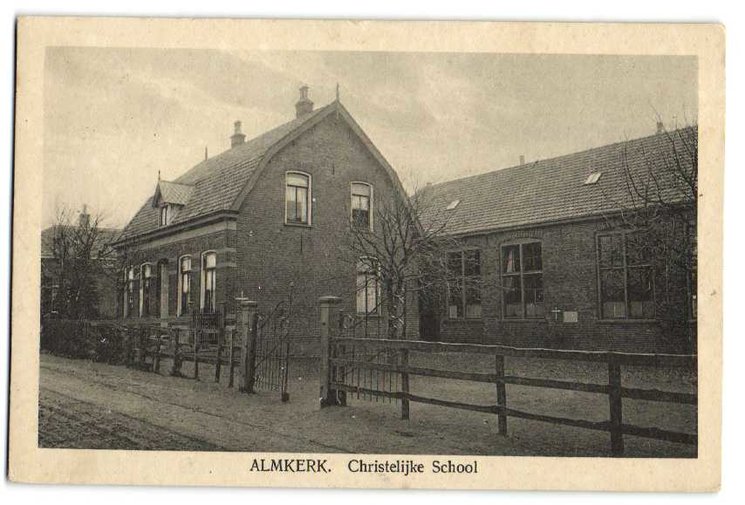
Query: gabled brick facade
[(259, 255)]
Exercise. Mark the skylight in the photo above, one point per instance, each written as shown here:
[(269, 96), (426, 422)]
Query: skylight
[(593, 178), (452, 205)]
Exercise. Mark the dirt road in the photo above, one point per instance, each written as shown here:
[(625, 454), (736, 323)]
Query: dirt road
[(93, 405)]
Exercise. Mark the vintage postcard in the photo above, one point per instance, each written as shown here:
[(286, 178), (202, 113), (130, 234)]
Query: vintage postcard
[(464, 255)]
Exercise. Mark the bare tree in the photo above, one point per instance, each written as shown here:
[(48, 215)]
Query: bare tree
[(81, 258), (407, 257), (659, 201)]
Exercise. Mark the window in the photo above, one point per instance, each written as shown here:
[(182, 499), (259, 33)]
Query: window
[(165, 215), (129, 292), (368, 286), (162, 288), (522, 281), (593, 178), (184, 285), (297, 198), (209, 263), (452, 205), (146, 285), (626, 276), (362, 205), (464, 284)]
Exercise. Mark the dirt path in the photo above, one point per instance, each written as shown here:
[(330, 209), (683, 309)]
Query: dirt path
[(93, 405)]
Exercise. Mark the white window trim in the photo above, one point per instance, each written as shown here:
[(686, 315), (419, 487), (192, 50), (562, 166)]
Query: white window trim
[(179, 296), (310, 197), (203, 277), (372, 201)]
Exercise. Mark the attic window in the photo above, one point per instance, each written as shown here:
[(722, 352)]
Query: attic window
[(452, 205), (593, 178), (165, 215)]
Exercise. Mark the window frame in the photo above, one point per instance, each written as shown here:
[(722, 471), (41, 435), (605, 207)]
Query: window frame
[(130, 282), (179, 308), (372, 271), (164, 209), (143, 310), (625, 268), (463, 284), (370, 203), (309, 197), (203, 278), (521, 276)]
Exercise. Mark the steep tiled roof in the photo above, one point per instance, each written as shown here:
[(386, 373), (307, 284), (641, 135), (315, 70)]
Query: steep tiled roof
[(555, 189), (216, 182), (105, 237)]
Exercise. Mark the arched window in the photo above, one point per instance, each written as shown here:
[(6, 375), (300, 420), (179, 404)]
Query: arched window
[(362, 204), (184, 284), (209, 280), (522, 280), (297, 198), (146, 287)]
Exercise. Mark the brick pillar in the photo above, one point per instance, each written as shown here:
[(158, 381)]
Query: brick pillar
[(246, 325)]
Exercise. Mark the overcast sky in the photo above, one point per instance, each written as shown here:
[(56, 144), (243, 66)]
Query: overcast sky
[(115, 117)]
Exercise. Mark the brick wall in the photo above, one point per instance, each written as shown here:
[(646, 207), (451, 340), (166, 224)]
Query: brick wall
[(570, 282)]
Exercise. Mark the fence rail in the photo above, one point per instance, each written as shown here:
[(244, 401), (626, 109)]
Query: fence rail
[(341, 368)]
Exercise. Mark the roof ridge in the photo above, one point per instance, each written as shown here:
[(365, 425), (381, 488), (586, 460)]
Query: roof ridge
[(555, 158)]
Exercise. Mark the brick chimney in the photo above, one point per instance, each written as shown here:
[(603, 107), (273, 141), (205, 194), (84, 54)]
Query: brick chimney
[(660, 127), (304, 105), (237, 138)]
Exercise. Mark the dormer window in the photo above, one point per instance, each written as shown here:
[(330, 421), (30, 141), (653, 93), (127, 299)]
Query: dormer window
[(593, 178), (165, 215)]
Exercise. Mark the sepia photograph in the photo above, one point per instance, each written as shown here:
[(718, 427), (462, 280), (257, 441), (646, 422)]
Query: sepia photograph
[(384, 254)]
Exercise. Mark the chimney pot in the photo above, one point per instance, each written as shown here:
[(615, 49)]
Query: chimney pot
[(304, 105), (238, 137)]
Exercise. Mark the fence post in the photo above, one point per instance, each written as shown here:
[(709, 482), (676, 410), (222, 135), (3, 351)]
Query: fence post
[(501, 396), (176, 366), (616, 405), (231, 358), (220, 341), (405, 385), (244, 320), (329, 316)]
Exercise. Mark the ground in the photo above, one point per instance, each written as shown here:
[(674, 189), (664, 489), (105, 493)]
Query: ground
[(93, 405)]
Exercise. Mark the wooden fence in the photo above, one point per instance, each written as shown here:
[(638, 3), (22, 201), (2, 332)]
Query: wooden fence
[(344, 360), (214, 338)]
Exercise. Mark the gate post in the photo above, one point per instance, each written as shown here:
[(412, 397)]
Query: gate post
[(246, 318), (329, 316)]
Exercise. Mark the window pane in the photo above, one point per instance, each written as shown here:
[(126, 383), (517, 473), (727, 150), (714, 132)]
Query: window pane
[(473, 298), (641, 293), (455, 265), (510, 259), (532, 257), (533, 295), (512, 296), (472, 262), (611, 250), (185, 264), (455, 300), (612, 294), (299, 180), (638, 248)]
